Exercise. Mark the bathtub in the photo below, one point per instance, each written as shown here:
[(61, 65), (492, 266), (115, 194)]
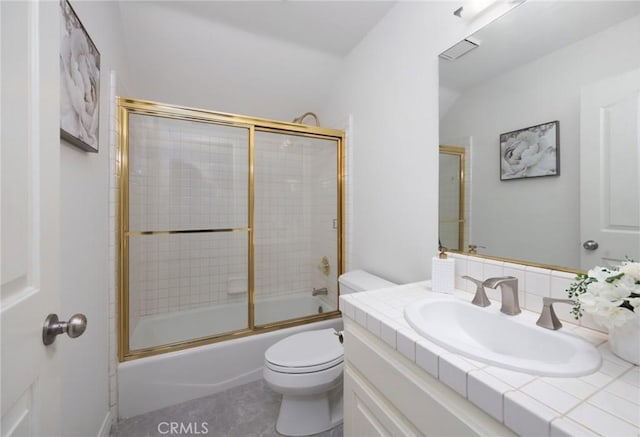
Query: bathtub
[(147, 384)]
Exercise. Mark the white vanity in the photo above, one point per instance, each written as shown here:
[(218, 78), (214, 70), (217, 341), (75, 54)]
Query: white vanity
[(399, 383)]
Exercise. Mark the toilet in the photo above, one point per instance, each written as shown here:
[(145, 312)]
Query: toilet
[(306, 368)]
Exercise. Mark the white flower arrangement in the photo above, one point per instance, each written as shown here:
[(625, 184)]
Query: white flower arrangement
[(611, 295)]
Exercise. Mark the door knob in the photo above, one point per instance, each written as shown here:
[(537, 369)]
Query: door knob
[(53, 327), (590, 245)]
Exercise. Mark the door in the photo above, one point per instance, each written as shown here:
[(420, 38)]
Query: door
[(29, 93), (609, 170)]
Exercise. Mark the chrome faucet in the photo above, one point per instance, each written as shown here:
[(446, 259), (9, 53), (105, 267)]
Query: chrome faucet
[(480, 297), (323, 291), (509, 288), (548, 318)]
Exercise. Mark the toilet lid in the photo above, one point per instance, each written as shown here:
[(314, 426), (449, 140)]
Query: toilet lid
[(309, 351)]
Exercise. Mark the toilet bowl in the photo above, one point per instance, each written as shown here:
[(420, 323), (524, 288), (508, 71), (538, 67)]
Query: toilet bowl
[(306, 368)]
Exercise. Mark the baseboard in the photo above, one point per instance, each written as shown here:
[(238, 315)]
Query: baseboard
[(105, 428)]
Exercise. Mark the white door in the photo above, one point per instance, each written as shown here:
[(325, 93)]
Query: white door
[(30, 169), (610, 170)]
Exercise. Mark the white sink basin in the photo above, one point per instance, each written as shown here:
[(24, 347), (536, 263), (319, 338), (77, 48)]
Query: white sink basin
[(512, 342)]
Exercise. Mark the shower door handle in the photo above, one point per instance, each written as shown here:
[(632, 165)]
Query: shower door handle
[(53, 327)]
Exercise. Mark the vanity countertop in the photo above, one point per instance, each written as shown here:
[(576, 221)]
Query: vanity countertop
[(605, 403)]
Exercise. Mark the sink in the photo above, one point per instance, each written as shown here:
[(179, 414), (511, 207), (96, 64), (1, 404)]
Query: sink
[(511, 342)]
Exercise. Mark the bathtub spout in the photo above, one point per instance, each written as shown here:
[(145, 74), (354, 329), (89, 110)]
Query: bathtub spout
[(320, 291)]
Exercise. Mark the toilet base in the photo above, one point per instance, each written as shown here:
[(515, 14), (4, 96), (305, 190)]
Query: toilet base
[(305, 415)]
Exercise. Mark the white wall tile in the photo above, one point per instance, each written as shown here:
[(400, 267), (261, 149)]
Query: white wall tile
[(617, 406), (632, 377), (511, 377), (426, 358), (487, 392), (564, 427), (373, 324), (452, 370), (537, 281), (573, 386), (406, 343), (361, 317), (601, 422), (550, 396), (623, 389), (560, 282), (533, 302), (526, 416), (388, 334), (492, 269)]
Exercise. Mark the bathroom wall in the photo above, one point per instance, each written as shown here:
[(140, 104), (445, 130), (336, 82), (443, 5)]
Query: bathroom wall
[(275, 79), (544, 90), (389, 84), (85, 275)]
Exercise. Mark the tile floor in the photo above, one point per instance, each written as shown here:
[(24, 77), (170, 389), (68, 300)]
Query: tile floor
[(248, 410)]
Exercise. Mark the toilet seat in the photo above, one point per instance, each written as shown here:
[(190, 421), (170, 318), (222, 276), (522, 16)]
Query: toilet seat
[(305, 352)]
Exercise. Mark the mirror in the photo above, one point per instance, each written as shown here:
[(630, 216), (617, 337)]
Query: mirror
[(538, 64)]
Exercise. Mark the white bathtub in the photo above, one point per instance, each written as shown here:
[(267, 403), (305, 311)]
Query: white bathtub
[(155, 382), (179, 326)]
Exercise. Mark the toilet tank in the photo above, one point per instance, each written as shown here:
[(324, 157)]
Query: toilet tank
[(359, 280)]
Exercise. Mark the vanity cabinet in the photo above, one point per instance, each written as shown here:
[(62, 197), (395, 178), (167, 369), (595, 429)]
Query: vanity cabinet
[(387, 395)]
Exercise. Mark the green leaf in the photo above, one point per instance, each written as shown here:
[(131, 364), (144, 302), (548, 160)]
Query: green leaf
[(611, 279)]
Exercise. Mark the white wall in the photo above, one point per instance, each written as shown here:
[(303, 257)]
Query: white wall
[(544, 90), (85, 246), (390, 87), (188, 60)]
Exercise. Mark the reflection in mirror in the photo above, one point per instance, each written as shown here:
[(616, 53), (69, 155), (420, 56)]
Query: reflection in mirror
[(452, 197), (576, 62)]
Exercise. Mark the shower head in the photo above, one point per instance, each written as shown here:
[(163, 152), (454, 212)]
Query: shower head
[(299, 119)]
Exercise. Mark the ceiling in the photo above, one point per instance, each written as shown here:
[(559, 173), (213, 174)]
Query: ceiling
[(529, 32), (333, 27)]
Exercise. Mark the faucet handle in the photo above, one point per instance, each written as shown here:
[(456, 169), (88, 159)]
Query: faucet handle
[(548, 318), (480, 297)]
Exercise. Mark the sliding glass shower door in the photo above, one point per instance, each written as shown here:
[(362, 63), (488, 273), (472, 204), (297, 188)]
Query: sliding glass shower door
[(229, 226), (188, 229), (296, 226)]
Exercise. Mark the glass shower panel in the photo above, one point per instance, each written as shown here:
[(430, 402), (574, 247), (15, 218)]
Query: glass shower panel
[(187, 230), (295, 226), (186, 175), (186, 286)]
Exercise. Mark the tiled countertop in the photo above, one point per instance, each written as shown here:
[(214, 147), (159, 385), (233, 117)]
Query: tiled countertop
[(605, 403)]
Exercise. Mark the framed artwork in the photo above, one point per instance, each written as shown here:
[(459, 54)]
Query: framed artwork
[(530, 152), (79, 82)]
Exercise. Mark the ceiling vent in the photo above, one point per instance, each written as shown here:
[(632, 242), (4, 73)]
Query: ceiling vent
[(458, 50)]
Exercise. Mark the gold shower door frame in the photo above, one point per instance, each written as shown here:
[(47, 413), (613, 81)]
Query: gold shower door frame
[(460, 153), (127, 106)]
